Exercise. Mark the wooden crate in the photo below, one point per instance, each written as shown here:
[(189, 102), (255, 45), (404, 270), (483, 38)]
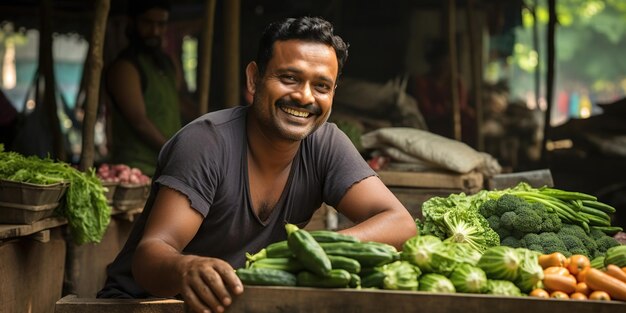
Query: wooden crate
[(414, 188), (31, 267), (469, 183), (314, 300)]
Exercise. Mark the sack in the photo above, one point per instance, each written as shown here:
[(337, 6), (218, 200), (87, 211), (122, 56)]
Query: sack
[(431, 148)]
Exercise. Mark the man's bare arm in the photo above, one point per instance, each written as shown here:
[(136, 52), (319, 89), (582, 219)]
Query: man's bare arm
[(160, 267), (378, 213), (124, 85)]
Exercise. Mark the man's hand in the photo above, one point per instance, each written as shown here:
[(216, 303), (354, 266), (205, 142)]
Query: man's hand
[(208, 284)]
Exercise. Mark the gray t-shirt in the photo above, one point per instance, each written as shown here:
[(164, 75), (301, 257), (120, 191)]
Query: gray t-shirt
[(207, 161)]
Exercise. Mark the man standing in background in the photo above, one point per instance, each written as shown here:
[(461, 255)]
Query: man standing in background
[(145, 89)]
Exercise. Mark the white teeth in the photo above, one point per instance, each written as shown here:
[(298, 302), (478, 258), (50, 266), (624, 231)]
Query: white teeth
[(295, 113)]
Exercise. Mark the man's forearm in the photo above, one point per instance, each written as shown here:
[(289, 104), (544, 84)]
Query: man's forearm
[(392, 227), (156, 267)]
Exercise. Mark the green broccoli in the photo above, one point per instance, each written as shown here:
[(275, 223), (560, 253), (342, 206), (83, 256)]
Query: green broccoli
[(488, 208), (604, 244), (578, 232), (508, 203), (545, 243), (574, 245), (518, 217), (508, 220), (510, 241)]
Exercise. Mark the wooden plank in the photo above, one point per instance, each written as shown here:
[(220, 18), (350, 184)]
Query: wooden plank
[(72, 304), (31, 274), (470, 182), (11, 231), (303, 300)]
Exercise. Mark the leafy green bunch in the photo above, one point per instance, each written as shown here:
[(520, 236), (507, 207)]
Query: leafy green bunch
[(85, 208)]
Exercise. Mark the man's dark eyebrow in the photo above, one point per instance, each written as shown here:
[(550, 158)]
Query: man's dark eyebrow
[(291, 69)]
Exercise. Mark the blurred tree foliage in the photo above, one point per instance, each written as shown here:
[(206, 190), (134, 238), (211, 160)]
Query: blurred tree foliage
[(590, 42)]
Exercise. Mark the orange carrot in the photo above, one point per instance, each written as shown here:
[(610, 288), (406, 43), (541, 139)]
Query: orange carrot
[(555, 282), (599, 280), (552, 259), (616, 272)]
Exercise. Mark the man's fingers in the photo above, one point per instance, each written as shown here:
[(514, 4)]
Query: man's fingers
[(214, 280), (193, 302), (206, 293), (231, 280)]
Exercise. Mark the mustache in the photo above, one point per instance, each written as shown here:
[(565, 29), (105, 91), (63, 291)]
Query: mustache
[(311, 108)]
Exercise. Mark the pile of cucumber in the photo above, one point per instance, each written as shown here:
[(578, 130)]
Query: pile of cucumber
[(320, 258)]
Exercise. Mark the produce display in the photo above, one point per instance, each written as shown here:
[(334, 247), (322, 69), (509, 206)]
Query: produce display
[(85, 208), (452, 254), (542, 219), (121, 173)]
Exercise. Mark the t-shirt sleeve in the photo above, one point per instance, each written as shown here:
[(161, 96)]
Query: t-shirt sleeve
[(342, 164), (188, 162)]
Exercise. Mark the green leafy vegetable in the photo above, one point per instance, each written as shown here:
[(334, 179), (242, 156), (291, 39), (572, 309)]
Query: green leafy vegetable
[(85, 208)]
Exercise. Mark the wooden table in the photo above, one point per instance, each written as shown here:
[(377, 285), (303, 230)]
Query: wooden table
[(304, 300)]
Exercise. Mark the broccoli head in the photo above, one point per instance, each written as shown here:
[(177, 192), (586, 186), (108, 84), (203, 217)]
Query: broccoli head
[(604, 244), (507, 203), (578, 232), (510, 241), (546, 243), (574, 245), (488, 208), (519, 217)]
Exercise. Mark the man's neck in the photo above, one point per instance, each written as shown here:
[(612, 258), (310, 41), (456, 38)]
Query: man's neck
[(268, 154)]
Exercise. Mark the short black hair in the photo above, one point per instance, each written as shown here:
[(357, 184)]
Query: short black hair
[(306, 28), (138, 7)]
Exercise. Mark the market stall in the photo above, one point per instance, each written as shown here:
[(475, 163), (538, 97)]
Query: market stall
[(283, 299)]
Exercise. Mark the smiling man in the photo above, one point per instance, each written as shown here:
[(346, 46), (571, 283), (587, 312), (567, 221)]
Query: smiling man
[(228, 182)]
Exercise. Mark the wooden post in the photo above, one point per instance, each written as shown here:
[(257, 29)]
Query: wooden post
[(454, 91), (231, 51), (537, 49), (552, 20), (46, 68), (204, 71), (475, 51), (93, 73)]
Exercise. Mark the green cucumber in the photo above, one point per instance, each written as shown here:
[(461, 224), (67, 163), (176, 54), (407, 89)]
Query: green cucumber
[(616, 255), (307, 250), (344, 263), (266, 277), (333, 279), (286, 264), (375, 279), (331, 236), (367, 254)]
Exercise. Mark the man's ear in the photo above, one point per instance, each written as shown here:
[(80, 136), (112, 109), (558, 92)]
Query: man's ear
[(252, 76)]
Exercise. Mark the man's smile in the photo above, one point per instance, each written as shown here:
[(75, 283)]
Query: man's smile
[(294, 112)]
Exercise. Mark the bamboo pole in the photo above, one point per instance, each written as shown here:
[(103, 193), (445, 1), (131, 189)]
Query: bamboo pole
[(231, 51), (476, 69), (552, 21), (454, 91), (538, 50), (93, 73), (46, 66), (204, 71)]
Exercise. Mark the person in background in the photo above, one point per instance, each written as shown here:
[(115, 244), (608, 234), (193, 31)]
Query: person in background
[(8, 121), (434, 98), (146, 90), (278, 160)]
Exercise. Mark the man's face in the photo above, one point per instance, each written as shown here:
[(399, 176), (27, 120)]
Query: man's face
[(294, 96), (151, 27)]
